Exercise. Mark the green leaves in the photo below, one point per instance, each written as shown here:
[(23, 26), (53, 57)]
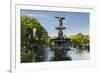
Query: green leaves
[(39, 38), (28, 22), (80, 41)]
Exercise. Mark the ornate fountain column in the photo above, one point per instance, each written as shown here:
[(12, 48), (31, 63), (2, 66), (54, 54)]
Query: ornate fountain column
[(60, 28), (60, 47)]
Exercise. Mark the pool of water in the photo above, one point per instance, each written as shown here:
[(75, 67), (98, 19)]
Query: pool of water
[(73, 53), (49, 54)]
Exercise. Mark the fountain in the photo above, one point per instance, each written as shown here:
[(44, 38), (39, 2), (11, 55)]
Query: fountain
[(60, 46)]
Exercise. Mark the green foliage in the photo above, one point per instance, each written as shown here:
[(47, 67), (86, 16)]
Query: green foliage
[(79, 40), (28, 56), (40, 38), (28, 23)]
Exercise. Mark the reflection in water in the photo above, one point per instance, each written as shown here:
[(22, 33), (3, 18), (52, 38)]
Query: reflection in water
[(73, 53), (49, 54)]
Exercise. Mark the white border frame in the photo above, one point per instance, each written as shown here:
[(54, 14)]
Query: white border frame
[(15, 38)]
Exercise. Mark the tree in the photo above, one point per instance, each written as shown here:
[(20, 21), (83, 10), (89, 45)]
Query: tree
[(30, 42), (28, 23), (79, 40)]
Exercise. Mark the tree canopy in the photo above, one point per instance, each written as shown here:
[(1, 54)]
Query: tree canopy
[(32, 42), (80, 40), (29, 23)]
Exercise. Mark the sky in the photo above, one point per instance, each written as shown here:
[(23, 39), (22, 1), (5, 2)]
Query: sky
[(74, 22)]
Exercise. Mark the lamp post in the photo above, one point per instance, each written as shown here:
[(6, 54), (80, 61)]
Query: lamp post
[(34, 32), (31, 34), (34, 36)]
